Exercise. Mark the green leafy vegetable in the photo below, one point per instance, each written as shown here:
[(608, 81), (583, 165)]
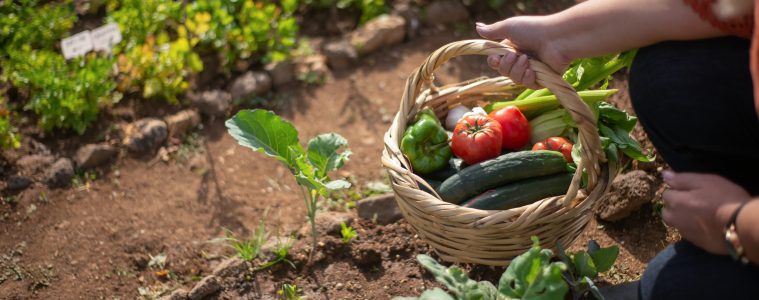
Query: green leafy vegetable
[(530, 276)]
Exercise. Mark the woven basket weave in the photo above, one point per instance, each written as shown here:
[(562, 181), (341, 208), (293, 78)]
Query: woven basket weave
[(491, 237)]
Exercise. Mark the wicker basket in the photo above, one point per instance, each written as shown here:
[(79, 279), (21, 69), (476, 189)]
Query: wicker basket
[(491, 237)]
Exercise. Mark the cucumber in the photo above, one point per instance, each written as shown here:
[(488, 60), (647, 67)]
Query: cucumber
[(434, 183), (497, 172), (454, 166), (521, 193)]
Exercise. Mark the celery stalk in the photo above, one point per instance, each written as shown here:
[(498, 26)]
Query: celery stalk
[(532, 107)]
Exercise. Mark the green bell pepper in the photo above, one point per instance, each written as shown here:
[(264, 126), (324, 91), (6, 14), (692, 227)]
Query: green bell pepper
[(425, 143)]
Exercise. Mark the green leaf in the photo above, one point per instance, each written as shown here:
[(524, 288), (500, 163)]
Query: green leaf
[(454, 278), (532, 276), (265, 132), (584, 265), (322, 152), (604, 258)]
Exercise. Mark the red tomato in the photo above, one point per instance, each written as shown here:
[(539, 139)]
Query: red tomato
[(514, 127), (559, 144), (476, 138)]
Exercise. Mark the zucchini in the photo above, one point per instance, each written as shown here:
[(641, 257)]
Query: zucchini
[(493, 173), (454, 166), (521, 193)]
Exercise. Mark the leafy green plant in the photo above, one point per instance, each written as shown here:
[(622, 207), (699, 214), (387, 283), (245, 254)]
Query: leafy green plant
[(64, 95), (265, 132), (583, 266), (156, 53), (531, 275), (347, 232), (289, 292), (25, 22), (239, 30)]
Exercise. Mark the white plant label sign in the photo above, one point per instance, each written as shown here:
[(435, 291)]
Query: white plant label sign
[(77, 45), (104, 37)]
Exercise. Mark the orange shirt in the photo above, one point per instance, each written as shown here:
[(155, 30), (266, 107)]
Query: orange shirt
[(742, 27)]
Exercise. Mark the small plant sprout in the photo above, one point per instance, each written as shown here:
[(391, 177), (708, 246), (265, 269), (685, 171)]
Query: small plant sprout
[(347, 232), (265, 132), (250, 249), (289, 292), (280, 252), (158, 261)]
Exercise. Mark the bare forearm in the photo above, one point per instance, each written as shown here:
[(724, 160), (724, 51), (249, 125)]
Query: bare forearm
[(599, 27), (747, 224)]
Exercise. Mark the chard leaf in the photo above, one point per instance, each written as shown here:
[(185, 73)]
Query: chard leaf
[(265, 132), (532, 276), (322, 152), (603, 258), (615, 117), (584, 265), (455, 279)]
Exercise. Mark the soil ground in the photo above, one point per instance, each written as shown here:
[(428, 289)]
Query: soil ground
[(94, 241)]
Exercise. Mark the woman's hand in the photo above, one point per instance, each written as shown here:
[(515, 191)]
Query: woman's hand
[(700, 205), (526, 34)]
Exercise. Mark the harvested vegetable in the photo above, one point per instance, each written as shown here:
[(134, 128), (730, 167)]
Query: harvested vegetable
[(547, 125), (535, 106), (521, 193), (476, 138), (425, 143), (490, 174), (454, 115), (514, 127), (558, 144)]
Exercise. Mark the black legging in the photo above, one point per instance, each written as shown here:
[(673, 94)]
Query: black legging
[(695, 101)]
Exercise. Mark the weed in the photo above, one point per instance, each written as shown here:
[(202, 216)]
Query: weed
[(250, 249), (347, 232), (289, 292)]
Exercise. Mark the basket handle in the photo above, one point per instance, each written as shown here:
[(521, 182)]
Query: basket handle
[(591, 151)]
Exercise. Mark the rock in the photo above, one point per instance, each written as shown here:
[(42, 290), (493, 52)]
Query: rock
[(445, 11), (381, 208), (33, 164), (313, 69), (366, 254), (340, 54), (230, 267), (180, 122), (178, 294), (93, 155), (249, 85), (382, 31), (60, 173), (17, 182), (281, 72), (206, 287), (212, 103), (327, 223), (145, 135), (628, 192)]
